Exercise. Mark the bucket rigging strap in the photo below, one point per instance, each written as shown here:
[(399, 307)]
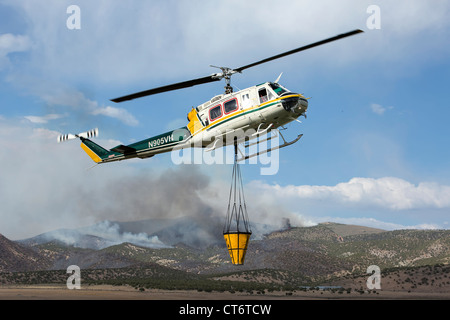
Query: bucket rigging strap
[(237, 218)]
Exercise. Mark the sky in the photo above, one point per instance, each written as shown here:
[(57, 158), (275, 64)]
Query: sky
[(375, 145)]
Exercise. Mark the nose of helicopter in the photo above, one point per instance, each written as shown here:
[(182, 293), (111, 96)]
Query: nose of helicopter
[(295, 103)]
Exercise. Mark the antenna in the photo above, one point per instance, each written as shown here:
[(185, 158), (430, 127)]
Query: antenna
[(279, 77)]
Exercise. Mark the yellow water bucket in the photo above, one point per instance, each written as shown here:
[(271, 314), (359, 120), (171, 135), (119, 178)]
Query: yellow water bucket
[(237, 243)]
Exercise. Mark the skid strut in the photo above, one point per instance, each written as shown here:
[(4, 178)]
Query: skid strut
[(285, 144)]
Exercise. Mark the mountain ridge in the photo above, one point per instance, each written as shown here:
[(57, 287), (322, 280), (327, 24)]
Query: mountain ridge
[(321, 252), (17, 257)]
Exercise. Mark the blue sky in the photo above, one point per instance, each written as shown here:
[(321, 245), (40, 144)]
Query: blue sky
[(375, 146)]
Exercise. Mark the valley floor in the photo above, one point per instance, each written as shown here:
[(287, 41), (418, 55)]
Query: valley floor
[(106, 292)]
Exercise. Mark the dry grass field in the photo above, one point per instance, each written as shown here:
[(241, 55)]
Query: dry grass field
[(106, 292)]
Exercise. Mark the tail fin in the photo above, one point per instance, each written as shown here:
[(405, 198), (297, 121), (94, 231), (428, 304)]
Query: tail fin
[(96, 152)]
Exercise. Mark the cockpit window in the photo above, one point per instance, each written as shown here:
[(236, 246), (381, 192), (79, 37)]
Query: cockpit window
[(279, 90)]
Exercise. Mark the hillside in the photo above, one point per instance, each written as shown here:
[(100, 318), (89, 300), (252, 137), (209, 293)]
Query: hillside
[(354, 248), (16, 257), (326, 253)]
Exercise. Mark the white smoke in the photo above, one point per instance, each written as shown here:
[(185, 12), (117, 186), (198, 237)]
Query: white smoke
[(111, 232), (99, 236), (46, 186)]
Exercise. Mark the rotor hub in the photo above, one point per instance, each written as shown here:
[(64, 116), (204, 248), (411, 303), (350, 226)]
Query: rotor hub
[(226, 74)]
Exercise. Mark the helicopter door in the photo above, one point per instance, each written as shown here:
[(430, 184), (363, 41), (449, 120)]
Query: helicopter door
[(265, 95), (262, 94), (246, 102)]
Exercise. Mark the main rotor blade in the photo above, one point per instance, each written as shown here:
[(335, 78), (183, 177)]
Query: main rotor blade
[(212, 78), (170, 87), (309, 46)]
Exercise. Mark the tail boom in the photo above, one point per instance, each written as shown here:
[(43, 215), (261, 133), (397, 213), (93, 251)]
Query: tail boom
[(143, 149)]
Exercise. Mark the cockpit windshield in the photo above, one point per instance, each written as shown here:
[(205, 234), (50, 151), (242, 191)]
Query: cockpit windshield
[(279, 90)]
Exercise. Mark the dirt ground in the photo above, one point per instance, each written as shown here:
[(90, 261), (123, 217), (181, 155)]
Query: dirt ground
[(104, 292)]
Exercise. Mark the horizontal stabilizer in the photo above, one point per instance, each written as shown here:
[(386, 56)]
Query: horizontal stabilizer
[(123, 149)]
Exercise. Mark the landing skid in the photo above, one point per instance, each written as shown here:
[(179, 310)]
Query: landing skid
[(285, 144)]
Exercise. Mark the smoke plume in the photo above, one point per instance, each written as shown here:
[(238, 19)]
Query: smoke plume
[(45, 186)]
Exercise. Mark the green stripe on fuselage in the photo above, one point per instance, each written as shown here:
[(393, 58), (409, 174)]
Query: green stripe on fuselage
[(241, 114)]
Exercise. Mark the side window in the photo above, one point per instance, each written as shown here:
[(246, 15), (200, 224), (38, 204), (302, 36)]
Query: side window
[(215, 113), (230, 106), (262, 93)]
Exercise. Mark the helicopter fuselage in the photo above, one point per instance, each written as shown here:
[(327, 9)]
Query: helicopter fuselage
[(253, 110)]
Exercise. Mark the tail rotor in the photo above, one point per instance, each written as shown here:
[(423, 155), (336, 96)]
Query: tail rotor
[(88, 134)]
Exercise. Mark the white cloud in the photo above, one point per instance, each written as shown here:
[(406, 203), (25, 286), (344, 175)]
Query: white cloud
[(13, 43), (10, 43), (387, 203), (157, 41), (379, 109), (60, 95), (388, 193), (117, 113), (44, 119), (77, 100)]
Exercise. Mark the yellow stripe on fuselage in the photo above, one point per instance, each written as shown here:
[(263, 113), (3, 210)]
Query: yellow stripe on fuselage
[(245, 110)]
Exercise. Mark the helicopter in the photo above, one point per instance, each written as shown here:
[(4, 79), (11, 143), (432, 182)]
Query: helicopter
[(244, 115)]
